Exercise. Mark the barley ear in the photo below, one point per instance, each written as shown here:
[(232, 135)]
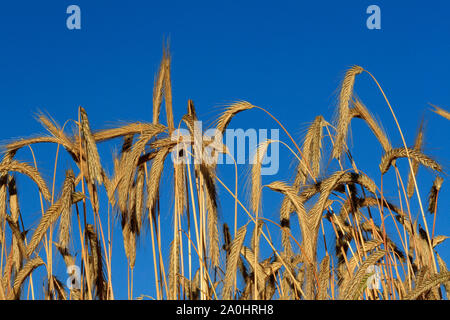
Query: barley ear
[(92, 156), (29, 267), (354, 285), (432, 197), (52, 214), (344, 115), (174, 265), (158, 89), (232, 263), (390, 156), (435, 280), (418, 144), (324, 278)]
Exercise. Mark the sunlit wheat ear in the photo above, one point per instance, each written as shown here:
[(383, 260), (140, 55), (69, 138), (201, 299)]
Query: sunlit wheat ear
[(13, 199), (441, 112), (344, 115), (7, 158), (155, 177), (308, 166), (443, 268), (432, 198), (124, 131), (130, 163), (139, 206), (58, 133), (232, 263), (230, 112), (438, 240), (356, 284), (312, 146), (432, 282), (288, 191), (168, 92), (354, 261), (424, 160), (257, 268), (226, 239), (29, 267), (18, 245), (52, 214), (66, 213), (69, 260), (335, 183), (363, 203), (360, 111), (28, 170), (158, 89), (418, 143), (59, 288), (376, 231), (324, 278), (92, 156), (209, 175), (256, 237), (256, 174), (97, 262), (129, 243)]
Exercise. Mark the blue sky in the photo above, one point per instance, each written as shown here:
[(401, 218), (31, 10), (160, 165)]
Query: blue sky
[(286, 56)]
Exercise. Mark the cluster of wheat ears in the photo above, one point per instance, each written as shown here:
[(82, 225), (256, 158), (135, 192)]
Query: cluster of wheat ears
[(211, 262)]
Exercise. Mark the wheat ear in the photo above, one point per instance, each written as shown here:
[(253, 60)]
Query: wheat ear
[(344, 115), (232, 263), (416, 155)]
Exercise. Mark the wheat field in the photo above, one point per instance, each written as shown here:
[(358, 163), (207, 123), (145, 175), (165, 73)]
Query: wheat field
[(208, 259)]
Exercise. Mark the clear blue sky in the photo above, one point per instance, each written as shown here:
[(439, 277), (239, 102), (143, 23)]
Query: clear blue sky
[(286, 56)]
